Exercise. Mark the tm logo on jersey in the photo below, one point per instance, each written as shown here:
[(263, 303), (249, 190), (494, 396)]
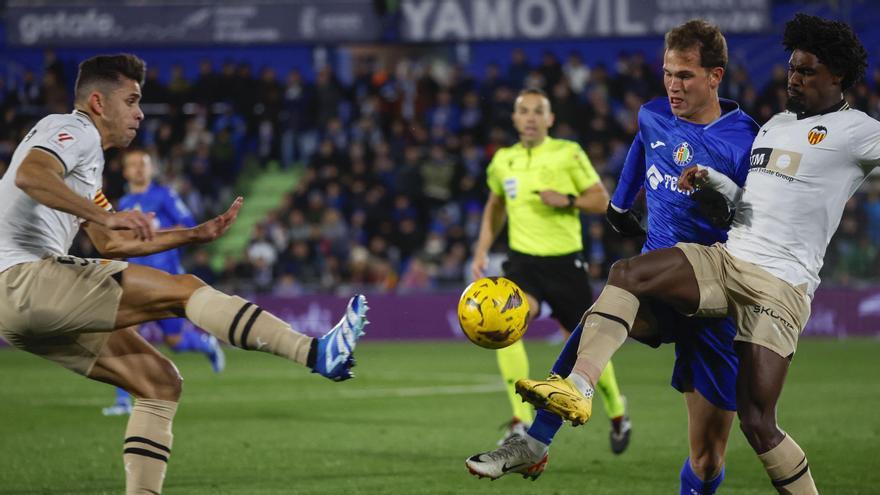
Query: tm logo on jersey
[(780, 163), (683, 154), (656, 179)]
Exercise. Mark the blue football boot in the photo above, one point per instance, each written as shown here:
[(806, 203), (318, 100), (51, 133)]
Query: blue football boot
[(335, 353)]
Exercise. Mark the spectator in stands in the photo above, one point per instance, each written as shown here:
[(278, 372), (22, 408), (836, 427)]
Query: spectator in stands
[(420, 129)]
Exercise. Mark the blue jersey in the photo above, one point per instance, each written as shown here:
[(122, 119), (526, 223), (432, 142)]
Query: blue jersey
[(170, 212), (666, 145)]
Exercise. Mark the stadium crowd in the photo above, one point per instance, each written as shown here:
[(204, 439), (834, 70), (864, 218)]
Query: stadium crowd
[(392, 165)]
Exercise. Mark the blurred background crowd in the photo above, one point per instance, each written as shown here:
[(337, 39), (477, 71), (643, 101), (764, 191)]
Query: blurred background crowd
[(385, 164)]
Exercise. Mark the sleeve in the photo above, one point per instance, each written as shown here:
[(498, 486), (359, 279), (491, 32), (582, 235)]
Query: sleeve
[(68, 143), (492, 179), (583, 173), (865, 142), (177, 210), (723, 184), (632, 176)]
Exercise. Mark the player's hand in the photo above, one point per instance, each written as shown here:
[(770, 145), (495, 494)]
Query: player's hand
[(692, 178), (553, 198), (626, 224), (137, 221), (478, 266), (217, 226)]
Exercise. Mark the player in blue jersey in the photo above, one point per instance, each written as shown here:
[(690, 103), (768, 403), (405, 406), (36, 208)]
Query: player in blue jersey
[(692, 125), (169, 212)]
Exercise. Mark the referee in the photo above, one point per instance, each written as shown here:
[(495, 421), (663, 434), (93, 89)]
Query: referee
[(542, 185)]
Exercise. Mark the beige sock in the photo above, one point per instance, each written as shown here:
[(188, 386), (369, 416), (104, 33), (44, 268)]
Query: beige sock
[(788, 468), (243, 324), (604, 330), (147, 445)]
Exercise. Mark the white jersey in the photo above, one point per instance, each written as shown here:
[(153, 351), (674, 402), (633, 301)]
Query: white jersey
[(29, 230), (801, 175)]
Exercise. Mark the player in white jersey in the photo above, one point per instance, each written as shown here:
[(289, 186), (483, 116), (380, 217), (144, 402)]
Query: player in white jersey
[(805, 164), (76, 312)]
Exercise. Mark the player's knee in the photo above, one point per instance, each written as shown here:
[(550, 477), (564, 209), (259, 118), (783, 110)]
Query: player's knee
[(618, 274), (189, 282), (163, 381), (708, 464), (185, 285), (625, 275), (759, 427)]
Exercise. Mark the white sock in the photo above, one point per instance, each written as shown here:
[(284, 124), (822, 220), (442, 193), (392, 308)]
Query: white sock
[(581, 383), (537, 447)]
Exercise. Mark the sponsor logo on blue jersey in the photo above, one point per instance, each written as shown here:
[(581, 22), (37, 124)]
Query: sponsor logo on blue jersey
[(657, 179)]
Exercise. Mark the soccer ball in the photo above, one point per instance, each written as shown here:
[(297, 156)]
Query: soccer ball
[(493, 312)]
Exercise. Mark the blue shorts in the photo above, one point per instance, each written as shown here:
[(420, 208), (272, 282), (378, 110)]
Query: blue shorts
[(171, 326), (704, 355), (170, 264)]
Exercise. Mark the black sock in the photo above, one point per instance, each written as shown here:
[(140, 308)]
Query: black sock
[(313, 354)]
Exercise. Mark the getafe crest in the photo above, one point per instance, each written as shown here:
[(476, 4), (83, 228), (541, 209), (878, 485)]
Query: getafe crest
[(683, 154), (817, 134)]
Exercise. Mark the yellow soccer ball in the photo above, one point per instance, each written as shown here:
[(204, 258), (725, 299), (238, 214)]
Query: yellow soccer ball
[(493, 312)]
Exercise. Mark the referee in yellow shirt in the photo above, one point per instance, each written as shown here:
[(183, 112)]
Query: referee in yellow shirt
[(541, 185)]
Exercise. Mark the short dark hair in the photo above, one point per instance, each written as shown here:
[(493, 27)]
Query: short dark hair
[(109, 69), (702, 35), (537, 92), (134, 151), (833, 43)]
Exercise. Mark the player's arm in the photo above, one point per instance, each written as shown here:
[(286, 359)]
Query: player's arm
[(702, 177), (864, 142), (494, 216), (593, 200), (124, 244), (592, 197), (619, 212), (41, 176)]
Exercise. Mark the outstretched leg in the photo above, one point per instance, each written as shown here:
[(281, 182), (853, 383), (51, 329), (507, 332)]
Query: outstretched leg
[(664, 275), (759, 384), (150, 294), (547, 424), (529, 452)]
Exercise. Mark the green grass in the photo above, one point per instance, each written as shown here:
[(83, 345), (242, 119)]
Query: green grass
[(409, 420)]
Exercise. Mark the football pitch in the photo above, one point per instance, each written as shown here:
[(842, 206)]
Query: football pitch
[(408, 421)]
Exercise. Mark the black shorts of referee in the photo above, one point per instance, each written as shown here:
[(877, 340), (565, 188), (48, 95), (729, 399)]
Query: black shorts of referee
[(560, 281)]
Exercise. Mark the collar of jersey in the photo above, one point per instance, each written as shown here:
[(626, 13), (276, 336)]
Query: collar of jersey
[(152, 185), (83, 114), (841, 105), (536, 148)]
